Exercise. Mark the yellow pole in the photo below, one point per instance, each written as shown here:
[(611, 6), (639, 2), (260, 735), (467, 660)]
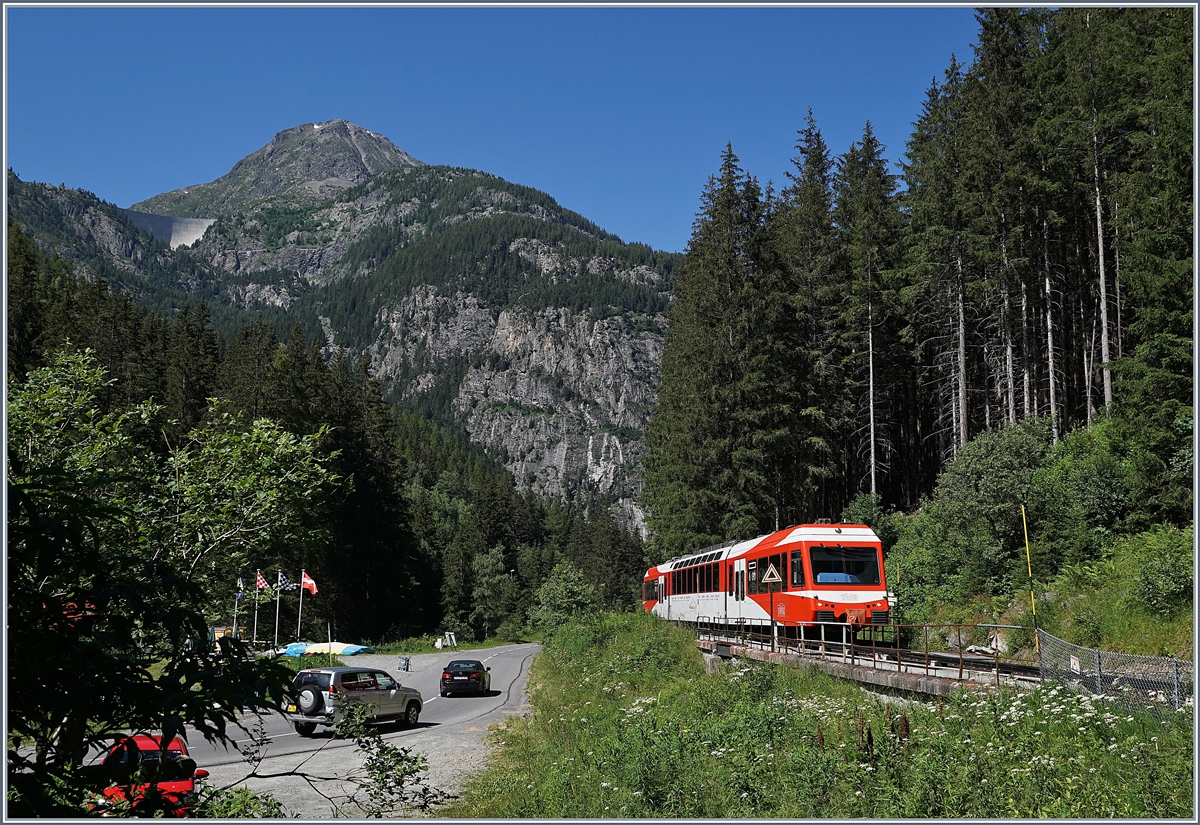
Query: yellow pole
[(1029, 564)]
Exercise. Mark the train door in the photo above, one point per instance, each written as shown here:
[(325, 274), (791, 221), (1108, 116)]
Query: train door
[(662, 589), (668, 594), (739, 590)]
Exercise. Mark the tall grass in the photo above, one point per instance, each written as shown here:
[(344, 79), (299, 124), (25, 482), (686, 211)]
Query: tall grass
[(626, 724)]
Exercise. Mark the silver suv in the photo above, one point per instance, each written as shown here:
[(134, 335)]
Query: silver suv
[(317, 693)]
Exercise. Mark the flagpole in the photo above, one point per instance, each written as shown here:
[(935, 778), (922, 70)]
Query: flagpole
[(301, 613), (257, 576), (278, 593)]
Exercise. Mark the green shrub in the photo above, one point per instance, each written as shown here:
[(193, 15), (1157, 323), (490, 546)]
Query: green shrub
[(1164, 577)]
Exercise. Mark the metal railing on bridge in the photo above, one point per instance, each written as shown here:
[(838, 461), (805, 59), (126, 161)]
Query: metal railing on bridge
[(965, 652), (974, 652)]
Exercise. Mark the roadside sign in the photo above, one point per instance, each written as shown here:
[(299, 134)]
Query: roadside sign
[(771, 576)]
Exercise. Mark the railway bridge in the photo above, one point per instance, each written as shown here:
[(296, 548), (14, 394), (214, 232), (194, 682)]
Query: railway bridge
[(899, 658)]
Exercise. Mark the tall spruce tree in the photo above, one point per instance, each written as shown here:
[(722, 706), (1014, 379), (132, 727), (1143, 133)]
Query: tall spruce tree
[(867, 222), (247, 372), (705, 474), (808, 380), (941, 211), (191, 366)]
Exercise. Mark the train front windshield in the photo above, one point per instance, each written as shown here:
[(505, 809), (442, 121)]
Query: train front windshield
[(844, 565)]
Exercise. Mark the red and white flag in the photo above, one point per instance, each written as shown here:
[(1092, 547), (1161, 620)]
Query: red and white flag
[(261, 584), (307, 583)]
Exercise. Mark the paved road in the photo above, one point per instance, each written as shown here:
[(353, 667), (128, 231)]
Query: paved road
[(450, 732)]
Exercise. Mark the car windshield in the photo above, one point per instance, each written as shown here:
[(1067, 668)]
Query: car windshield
[(464, 666)]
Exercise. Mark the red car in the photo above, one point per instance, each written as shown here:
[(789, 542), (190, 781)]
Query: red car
[(137, 770)]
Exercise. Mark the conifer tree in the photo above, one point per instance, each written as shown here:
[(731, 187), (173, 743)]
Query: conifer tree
[(867, 221), (806, 367), (247, 370), (940, 219), (191, 366), (704, 470)]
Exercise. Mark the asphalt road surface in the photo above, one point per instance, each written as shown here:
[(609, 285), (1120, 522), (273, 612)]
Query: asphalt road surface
[(450, 732)]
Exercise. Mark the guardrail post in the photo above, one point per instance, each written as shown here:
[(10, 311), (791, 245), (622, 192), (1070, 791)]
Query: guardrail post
[(958, 639), (926, 627), (997, 667), (1099, 675), (1175, 661)]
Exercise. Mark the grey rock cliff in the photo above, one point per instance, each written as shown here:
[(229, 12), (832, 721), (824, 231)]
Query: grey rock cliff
[(563, 397), (510, 314)]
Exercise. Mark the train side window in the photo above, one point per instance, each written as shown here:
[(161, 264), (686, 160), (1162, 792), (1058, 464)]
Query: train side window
[(776, 561), (752, 576), (797, 568), (729, 580)]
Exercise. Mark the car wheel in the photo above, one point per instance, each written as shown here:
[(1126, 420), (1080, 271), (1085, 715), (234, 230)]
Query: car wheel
[(310, 701), (306, 728), (411, 714), (444, 694)]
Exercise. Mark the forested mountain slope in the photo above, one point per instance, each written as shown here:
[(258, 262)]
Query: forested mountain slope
[(478, 302), (407, 526)]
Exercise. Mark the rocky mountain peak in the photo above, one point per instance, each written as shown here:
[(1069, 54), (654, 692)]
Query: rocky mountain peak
[(302, 163)]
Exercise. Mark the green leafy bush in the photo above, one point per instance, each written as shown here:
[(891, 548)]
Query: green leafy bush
[(1164, 575)]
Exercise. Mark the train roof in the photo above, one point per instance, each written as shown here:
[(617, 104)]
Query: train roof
[(789, 535)]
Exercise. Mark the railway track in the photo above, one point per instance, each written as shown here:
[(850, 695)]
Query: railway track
[(955, 665), (1161, 685)]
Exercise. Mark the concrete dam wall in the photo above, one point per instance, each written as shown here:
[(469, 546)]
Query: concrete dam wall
[(175, 232)]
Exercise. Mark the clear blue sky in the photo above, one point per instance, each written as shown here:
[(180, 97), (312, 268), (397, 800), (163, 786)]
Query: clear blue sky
[(620, 114)]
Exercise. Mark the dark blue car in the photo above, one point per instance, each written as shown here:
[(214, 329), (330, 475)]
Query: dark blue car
[(466, 676)]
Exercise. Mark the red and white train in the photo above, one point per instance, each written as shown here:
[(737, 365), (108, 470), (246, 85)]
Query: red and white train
[(801, 575)]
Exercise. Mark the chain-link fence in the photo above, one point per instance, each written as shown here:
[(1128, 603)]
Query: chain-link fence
[(1156, 682)]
